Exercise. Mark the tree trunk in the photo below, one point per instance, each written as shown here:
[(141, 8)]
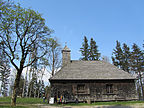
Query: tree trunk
[(141, 85), (53, 64), (35, 93), (16, 88), (30, 91), (38, 93), (23, 92), (29, 86)]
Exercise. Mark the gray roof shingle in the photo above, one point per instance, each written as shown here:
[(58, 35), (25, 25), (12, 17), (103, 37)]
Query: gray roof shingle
[(90, 70)]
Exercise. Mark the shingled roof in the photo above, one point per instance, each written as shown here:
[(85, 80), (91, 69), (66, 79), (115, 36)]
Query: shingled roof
[(90, 70)]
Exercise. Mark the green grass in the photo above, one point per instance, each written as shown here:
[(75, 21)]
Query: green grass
[(8, 106), (121, 103), (21, 100), (33, 103), (29, 101), (117, 103), (19, 106), (5, 102)]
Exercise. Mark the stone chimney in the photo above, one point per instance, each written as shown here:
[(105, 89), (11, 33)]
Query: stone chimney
[(66, 58)]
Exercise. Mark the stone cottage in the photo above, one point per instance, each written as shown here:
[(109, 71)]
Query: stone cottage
[(92, 80)]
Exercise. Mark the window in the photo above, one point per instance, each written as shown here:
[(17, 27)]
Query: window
[(81, 87), (109, 88)]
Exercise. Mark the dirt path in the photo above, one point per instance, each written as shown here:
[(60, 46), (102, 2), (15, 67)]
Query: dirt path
[(88, 107), (139, 105)]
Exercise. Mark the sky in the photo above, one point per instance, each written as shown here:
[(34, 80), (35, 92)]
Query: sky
[(103, 20)]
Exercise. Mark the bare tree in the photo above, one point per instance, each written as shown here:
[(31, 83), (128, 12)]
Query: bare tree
[(53, 58), (106, 59), (54, 55)]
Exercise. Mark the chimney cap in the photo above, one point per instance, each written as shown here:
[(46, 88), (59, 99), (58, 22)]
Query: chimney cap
[(66, 49)]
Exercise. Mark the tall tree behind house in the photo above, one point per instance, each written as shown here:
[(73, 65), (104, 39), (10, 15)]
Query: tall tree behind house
[(85, 49), (4, 72), (54, 59), (39, 89), (42, 88), (137, 65), (126, 58), (105, 59), (33, 85), (117, 55), (34, 71), (93, 51), (130, 61)]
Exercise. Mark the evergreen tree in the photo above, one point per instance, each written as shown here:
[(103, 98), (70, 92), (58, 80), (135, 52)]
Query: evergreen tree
[(93, 51), (4, 73), (117, 55), (35, 88), (4, 81), (137, 59), (137, 65), (131, 61), (126, 58), (32, 85), (85, 49), (42, 88)]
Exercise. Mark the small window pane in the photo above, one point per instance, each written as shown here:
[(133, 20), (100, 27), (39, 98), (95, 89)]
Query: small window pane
[(80, 87), (109, 88)]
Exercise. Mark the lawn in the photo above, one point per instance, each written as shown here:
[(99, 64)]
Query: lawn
[(118, 103), (35, 102), (21, 102)]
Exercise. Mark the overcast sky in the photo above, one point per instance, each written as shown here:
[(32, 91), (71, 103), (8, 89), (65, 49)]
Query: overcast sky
[(104, 20)]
